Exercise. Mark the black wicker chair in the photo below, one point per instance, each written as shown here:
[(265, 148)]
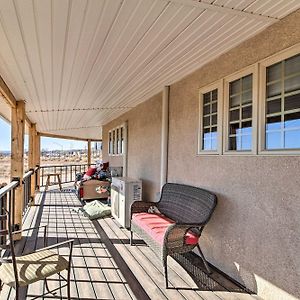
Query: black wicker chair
[(190, 207)]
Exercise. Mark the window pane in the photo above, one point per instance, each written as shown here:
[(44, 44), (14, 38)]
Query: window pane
[(214, 96), (206, 110), (274, 106), (247, 82), (273, 123), (247, 127), (292, 102), (235, 87), (247, 112), (246, 142), (214, 107), (292, 84), (206, 98), (206, 144), (292, 139), (292, 120), (292, 65), (234, 115), (234, 101), (214, 120), (274, 89), (233, 128), (273, 140), (214, 129), (247, 97), (206, 121), (274, 72), (232, 143)]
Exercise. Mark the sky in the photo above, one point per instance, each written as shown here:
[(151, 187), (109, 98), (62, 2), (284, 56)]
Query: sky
[(46, 143)]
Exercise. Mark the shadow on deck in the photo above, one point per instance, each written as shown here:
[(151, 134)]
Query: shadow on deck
[(105, 266)]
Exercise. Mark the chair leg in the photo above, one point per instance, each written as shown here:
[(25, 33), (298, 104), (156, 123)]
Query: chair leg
[(68, 284), (131, 238), (204, 260), (47, 288), (17, 292), (165, 262)]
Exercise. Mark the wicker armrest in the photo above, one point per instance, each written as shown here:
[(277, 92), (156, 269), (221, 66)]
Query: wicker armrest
[(141, 206), (175, 235)]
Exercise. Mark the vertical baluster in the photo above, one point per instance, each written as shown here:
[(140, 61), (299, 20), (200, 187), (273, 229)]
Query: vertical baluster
[(42, 176)]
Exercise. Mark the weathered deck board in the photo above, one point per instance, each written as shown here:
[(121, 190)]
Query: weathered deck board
[(101, 253)]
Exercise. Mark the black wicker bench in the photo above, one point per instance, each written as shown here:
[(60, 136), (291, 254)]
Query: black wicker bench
[(176, 226)]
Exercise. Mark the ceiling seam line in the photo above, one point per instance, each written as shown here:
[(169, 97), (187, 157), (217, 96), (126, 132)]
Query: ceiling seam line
[(223, 9)]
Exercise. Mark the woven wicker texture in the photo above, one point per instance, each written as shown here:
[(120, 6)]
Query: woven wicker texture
[(186, 204)]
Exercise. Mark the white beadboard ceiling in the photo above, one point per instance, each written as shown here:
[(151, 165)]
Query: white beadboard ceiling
[(80, 63)]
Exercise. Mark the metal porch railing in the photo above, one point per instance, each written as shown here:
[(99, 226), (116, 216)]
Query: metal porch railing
[(67, 172)]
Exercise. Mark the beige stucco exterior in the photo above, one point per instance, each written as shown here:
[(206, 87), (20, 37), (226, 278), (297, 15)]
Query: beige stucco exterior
[(254, 235)]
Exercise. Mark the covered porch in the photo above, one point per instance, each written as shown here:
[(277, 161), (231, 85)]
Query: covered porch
[(204, 93), (105, 266)]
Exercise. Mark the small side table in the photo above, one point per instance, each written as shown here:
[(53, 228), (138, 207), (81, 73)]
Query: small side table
[(48, 182)]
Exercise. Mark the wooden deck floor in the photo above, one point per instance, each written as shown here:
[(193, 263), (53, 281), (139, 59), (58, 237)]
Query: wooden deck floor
[(105, 266)]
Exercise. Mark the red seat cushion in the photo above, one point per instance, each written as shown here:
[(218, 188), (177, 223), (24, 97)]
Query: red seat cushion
[(91, 171), (156, 226)]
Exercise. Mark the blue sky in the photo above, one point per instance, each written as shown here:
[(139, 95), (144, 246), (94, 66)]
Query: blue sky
[(46, 143)]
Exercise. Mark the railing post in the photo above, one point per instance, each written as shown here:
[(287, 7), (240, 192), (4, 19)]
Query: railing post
[(31, 159), (37, 158), (89, 154), (17, 156)]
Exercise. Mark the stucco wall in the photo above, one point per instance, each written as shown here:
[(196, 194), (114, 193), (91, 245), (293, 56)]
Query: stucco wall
[(254, 233), (144, 131)]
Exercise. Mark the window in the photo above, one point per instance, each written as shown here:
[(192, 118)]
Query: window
[(240, 114), (282, 105), (240, 118), (210, 137), (116, 141)]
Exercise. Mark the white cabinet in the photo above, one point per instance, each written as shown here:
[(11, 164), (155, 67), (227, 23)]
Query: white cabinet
[(124, 191)]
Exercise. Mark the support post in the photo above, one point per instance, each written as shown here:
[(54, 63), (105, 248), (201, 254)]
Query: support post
[(37, 156), (125, 149), (31, 158), (89, 154), (164, 136), (17, 157)]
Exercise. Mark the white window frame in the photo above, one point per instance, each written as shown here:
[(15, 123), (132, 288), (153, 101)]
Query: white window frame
[(218, 85), (253, 69), (276, 58), (116, 133)]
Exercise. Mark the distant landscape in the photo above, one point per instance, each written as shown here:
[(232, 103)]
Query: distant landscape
[(56, 157)]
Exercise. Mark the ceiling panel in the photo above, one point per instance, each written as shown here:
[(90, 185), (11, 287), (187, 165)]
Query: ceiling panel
[(80, 64)]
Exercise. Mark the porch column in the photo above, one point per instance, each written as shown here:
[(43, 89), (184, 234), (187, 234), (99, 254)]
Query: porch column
[(89, 154), (31, 157), (37, 156), (17, 156), (164, 136)]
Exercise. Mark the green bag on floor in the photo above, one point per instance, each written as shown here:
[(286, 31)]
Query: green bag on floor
[(96, 209)]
